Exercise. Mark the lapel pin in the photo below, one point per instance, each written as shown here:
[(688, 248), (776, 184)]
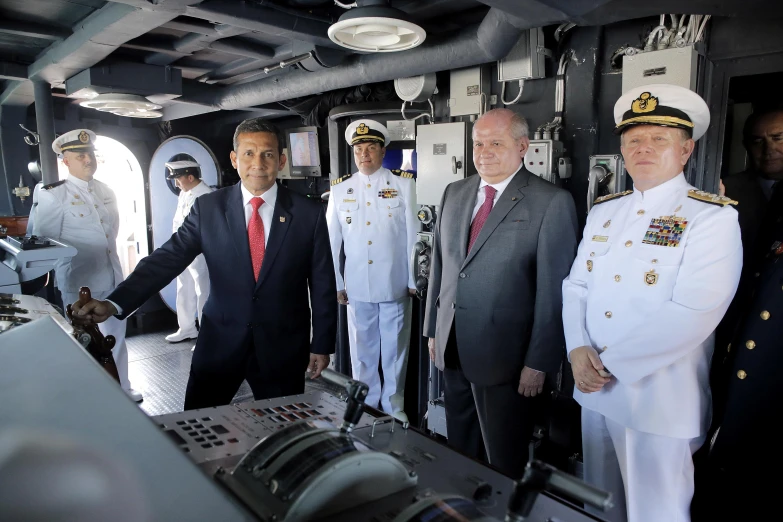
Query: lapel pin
[(514, 198), (282, 219)]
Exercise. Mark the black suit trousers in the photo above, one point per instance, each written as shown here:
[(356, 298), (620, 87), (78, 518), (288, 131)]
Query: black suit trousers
[(217, 388), (495, 421)]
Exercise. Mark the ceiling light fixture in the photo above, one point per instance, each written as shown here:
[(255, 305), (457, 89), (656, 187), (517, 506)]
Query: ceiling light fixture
[(374, 26), (129, 105)]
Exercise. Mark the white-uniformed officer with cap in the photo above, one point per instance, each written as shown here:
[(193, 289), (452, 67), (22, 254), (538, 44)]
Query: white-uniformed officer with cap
[(655, 272), (373, 214), (193, 283), (82, 212)]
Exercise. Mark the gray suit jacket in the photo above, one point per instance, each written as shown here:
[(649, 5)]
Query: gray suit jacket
[(505, 297)]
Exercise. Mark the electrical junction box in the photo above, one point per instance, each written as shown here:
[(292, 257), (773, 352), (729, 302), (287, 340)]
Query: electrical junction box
[(468, 90), (675, 66), (286, 172), (525, 61), (542, 158)]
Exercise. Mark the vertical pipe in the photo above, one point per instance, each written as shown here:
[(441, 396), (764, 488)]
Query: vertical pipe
[(44, 117)]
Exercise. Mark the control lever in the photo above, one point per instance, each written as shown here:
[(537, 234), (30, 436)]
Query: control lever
[(357, 392), (100, 347), (540, 477)]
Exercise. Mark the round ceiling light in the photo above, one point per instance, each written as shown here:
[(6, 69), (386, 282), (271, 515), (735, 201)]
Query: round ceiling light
[(130, 105), (376, 29)]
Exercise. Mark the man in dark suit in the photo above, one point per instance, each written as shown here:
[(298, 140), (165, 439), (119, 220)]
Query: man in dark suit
[(504, 242), (743, 447), (266, 248)]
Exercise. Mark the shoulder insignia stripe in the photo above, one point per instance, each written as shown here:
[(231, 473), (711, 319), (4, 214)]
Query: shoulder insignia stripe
[(402, 173), (52, 185), (712, 199), (339, 180), (609, 197)]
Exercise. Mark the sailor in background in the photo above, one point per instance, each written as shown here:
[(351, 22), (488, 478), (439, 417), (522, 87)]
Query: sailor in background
[(82, 212), (193, 283), (654, 274), (373, 214)]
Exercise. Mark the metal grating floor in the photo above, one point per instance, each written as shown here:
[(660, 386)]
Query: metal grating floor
[(159, 370)]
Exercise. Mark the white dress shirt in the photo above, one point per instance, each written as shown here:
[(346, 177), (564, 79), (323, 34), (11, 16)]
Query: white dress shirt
[(266, 211), (499, 187)]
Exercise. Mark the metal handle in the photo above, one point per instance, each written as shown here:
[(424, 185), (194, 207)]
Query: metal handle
[(599, 175), (456, 164)]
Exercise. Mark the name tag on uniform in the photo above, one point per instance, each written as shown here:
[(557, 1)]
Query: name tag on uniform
[(78, 203), (665, 231), (349, 201), (601, 239), (387, 193)]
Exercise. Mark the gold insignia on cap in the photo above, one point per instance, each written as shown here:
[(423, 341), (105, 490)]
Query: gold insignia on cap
[(646, 102), (362, 129), (84, 137), (650, 278)]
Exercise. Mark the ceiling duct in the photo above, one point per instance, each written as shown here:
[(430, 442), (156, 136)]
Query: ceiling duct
[(416, 88), (376, 27)]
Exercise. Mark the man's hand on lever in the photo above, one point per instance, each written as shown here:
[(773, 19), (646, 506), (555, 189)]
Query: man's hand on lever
[(588, 370), (318, 363), (94, 311)]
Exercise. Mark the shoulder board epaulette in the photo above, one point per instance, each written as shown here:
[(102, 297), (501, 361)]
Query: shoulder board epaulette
[(712, 199), (52, 185), (402, 173), (609, 197), (340, 180)]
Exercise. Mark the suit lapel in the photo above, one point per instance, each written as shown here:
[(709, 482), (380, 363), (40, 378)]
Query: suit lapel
[(281, 221), (466, 202), (235, 217), (508, 200)]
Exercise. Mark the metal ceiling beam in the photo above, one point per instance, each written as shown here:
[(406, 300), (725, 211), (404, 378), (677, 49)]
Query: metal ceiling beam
[(262, 19), (93, 39), (44, 32), (195, 26), (13, 71)]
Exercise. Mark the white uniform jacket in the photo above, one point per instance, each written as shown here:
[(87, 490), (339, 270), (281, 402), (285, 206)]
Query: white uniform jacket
[(653, 276), (84, 215), (375, 216), (185, 201)]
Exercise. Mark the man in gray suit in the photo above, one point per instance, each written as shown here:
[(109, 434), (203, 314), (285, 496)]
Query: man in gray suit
[(504, 242)]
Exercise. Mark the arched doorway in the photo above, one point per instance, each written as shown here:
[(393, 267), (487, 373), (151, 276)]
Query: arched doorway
[(120, 170)]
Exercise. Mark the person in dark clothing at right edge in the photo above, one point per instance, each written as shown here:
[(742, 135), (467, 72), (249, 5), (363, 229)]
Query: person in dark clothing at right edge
[(743, 449)]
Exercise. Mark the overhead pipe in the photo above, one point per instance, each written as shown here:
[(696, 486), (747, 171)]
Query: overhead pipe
[(491, 40)]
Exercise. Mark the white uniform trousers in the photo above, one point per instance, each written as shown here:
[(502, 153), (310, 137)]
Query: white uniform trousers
[(649, 476), (380, 332), (112, 326), (192, 293)]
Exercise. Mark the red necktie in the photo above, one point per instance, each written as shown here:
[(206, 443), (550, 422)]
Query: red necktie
[(481, 215), (255, 237)]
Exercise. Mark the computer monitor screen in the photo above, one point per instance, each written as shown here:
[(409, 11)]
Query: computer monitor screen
[(304, 154)]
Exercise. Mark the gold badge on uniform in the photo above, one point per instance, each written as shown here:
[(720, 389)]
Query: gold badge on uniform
[(348, 220), (601, 239), (606, 225), (650, 278), (589, 265), (76, 196)]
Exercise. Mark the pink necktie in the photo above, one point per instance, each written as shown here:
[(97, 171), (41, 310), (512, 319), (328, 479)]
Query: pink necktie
[(481, 215), (255, 237)]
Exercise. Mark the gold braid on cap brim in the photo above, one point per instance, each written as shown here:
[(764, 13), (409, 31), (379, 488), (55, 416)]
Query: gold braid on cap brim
[(85, 146), (359, 139), (656, 120)]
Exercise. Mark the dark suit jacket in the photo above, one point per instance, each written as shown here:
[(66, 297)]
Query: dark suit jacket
[(505, 297), (273, 314)]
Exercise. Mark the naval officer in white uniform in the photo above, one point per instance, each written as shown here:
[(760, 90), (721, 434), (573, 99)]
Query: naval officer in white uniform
[(193, 283), (373, 214), (82, 212), (654, 274)]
